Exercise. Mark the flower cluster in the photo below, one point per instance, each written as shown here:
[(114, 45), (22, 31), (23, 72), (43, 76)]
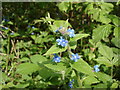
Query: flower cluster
[(70, 84), (75, 57), (96, 68), (63, 42), (56, 58), (71, 32)]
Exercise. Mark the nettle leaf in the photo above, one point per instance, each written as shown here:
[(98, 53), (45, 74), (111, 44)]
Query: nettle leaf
[(106, 51), (78, 36), (56, 67), (103, 60), (107, 7), (101, 32), (103, 77), (116, 41), (27, 68), (38, 59), (103, 18), (89, 7), (115, 61), (117, 32), (55, 49), (90, 80), (63, 6), (82, 66)]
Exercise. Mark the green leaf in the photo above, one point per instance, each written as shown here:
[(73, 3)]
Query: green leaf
[(90, 80), (73, 44), (37, 59), (107, 7), (114, 85), (63, 6), (103, 18), (82, 66), (101, 32), (116, 42), (103, 60), (115, 61), (55, 49), (103, 77), (79, 36), (117, 32), (45, 73), (58, 23), (24, 59), (116, 21), (39, 39), (26, 68), (101, 86), (106, 51), (56, 67), (22, 85)]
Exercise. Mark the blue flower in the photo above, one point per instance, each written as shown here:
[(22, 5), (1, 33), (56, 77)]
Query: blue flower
[(33, 27), (5, 28), (12, 33), (75, 57), (6, 20), (32, 33), (70, 84), (62, 42), (28, 26), (56, 58), (71, 32), (96, 68)]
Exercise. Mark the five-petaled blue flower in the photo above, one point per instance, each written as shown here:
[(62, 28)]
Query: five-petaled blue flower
[(75, 57), (96, 68), (62, 42), (56, 58), (70, 84), (71, 32)]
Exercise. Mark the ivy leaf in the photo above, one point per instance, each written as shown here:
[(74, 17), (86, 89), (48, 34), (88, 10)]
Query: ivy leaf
[(27, 68), (55, 49), (106, 51), (82, 66)]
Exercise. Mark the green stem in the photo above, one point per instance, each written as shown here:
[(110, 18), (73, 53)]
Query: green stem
[(112, 71), (78, 79), (8, 50)]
